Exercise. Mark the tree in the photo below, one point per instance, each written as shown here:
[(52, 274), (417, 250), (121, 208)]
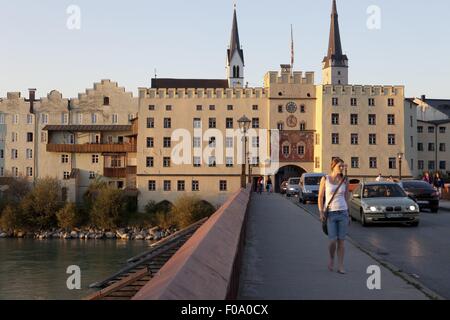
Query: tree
[(69, 217), (160, 214), (108, 209), (190, 209), (15, 190)]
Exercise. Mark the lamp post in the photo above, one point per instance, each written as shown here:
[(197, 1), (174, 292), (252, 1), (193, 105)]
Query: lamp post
[(400, 158), (244, 125)]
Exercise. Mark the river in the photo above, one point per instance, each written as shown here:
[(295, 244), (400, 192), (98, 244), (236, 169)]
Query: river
[(36, 269)]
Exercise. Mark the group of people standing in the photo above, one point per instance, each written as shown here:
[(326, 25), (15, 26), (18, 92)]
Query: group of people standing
[(260, 185), (436, 181)]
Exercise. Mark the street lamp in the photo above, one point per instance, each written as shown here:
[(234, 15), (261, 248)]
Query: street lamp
[(400, 158), (244, 125)]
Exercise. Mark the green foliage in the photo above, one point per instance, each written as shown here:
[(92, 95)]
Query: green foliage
[(160, 214), (10, 219), (108, 210), (190, 209), (16, 189), (69, 217)]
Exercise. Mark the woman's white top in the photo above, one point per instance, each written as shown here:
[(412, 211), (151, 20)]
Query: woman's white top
[(339, 203)]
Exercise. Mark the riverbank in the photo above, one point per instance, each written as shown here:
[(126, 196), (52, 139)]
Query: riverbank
[(149, 234)]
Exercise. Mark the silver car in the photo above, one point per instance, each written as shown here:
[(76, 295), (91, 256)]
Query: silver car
[(293, 187), (383, 202), (309, 187)]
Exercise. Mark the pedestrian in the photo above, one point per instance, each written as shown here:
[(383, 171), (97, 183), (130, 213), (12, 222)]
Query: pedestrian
[(260, 185), (379, 178), (391, 179), (334, 188), (269, 185), (427, 178), (438, 183)]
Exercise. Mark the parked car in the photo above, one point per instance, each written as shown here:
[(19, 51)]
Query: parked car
[(383, 202), (283, 187), (423, 193), (293, 187), (309, 187), (353, 184)]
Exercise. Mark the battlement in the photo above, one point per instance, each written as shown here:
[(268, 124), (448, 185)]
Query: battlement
[(286, 77), (358, 90), (200, 93)]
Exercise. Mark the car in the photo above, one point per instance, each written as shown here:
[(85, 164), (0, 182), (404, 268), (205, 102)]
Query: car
[(426, 196), (353, 184), (309, 187), (383, 202), (293, 187), (283, 187)]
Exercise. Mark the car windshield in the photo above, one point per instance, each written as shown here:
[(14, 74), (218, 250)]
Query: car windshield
[(416, 185), (294, 181), (383, 191), (312, 181)]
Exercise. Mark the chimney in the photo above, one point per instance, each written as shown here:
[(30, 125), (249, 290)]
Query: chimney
[(32, 98), (424, 97)]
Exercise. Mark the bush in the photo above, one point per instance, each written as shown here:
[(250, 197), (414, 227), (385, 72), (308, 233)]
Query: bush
[(9, 219), (188, 210), (69, 217), (17, 189), (109, 209), (159, 214)]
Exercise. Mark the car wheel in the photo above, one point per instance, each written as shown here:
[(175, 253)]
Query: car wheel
[(434, 210), (415, 224), (363, 220)]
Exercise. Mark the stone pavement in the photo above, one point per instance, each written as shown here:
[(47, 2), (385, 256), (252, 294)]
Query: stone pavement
[(444, 205), (285, 258)]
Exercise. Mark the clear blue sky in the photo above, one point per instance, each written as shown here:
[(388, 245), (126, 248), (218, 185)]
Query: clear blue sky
[(126, 40)]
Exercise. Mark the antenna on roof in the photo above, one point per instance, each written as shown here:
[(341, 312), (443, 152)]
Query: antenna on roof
[(156, 76)]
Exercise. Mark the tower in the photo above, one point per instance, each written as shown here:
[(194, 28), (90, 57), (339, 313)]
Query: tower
[(235, 57), (335, 64)]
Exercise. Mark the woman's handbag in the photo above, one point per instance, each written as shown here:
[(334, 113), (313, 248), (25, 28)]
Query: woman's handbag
[(325, 222)]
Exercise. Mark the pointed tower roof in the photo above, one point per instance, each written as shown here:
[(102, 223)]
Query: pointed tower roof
[(335, 47), (235, 44)]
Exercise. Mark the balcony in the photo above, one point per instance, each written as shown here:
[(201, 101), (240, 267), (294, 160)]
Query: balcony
[(92, 148), (115, 172)]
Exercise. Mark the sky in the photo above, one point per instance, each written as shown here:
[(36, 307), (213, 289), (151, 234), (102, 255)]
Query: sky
[(400, 42)]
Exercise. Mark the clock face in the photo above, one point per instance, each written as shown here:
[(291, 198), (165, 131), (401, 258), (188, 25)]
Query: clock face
[(291, 107)]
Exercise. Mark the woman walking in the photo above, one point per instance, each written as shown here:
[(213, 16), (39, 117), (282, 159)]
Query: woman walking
[(269, 185), (334, 190), (438, 183)]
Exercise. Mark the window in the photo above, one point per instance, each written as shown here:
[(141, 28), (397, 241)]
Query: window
[(167, 185), (64, 158), (229, 123), (2, 172), (335, 101), (317, 162), (150, 123), (151, 107), (212, 161), (255, 142), (412, 164), (255, 161), (64, 118), (229, 142), (167, 142), (390, 102), (391, 139), (255, 107), (301, 150), (430, 129), (335, 118), (93, 118), (168, 108), (372, 139), (355, 162), (391, 119), (197, 123), (419, 129), (280, 126), (354, 139), (431, 147), (197, 142), (66, 175), (280, 109), (13, 136), (371, 102), (411, 140), (180, 185), (195, 185), (255, 123), (71, 139), (302, 126), (212, 107), (167, 123), (95, 158), (14, 154), (29, 136), (230, 107), (199, 108), (354, 119), (150, 142), (2, 118), (442, 129), (29, 119), (229, 162), (392, 163), (420, 146), (166, 162), (15, 119), (354, 102), (317, 138), (286, 151), (212, 142), (373, 163), (106, 101), (43, 136), (80, 118), (91, 175), (420, 165), (197, 162), (2, 154), (442, 165), (29, 153), (212, 122), (151, 185), (223, 185), (115, 118), (150, 162), (335, 138), (442, 147), (44, 118), (29, 171), (15, 171), (431, 165), (372, 119), (302, 109), (411, 122)]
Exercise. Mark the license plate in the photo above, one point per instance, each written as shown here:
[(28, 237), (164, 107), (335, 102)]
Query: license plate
[(422, 202), (394, 215)]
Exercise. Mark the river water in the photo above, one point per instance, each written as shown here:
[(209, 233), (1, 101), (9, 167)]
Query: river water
[(36, 269)]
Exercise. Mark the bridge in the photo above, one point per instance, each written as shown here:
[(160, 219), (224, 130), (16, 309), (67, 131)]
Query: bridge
[(255, 247)]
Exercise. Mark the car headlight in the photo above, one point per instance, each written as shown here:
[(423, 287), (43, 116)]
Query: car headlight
[(413, 208), (372, 209)]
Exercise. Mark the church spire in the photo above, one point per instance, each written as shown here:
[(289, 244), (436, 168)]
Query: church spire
[(235, 44), (235, 56), (335, 57)]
